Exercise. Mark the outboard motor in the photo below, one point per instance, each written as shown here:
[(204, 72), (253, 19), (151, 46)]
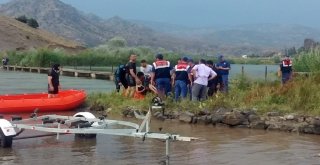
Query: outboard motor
[(157, 103)]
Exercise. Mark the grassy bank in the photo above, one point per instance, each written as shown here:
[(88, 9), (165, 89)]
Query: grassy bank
[(108, 56), (308, 61), (299, 96), (101, 56)]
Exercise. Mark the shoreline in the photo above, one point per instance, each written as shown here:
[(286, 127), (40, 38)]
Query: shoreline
[(249, 119)]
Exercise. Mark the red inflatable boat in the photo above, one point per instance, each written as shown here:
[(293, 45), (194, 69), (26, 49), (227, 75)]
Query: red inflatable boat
[(66, 100)]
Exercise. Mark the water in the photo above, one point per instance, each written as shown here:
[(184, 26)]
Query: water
[(218, 145), (255, 71), (26, 82)]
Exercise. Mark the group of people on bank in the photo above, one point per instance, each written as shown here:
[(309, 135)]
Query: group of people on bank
[(196, 79), (199, 80)]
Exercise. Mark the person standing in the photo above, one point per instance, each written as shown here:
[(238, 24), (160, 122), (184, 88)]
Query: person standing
[(286, 69), (53, 81), (5, 61), (223, 68), (180, 78), (120, 77), (202, 74), (146, 68), (160, 76), (190, 76), (131, 75), (214, 83)]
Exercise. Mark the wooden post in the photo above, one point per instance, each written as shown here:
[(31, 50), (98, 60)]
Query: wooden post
[(266, 73), (242, 70)]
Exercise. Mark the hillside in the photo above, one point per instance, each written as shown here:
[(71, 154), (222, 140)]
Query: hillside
[(264, 35), (88, 29), (256, 36), (59, 18), (15, 35)]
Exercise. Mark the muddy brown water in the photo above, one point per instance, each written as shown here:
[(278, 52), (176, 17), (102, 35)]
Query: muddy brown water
[(218, 145)]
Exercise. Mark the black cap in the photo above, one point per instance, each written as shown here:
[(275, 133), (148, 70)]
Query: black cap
[(159, 56), (56, 66), (186, 59)]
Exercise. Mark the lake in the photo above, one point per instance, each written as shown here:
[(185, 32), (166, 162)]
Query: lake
[(218, 145), (24, 82)]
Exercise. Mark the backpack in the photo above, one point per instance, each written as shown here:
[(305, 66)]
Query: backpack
[(120, 73)]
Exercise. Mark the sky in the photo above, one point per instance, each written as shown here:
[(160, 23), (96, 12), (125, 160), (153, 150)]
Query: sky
[(206, 13)]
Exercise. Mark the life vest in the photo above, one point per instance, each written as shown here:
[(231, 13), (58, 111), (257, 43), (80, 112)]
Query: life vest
[(161, 64), (162, 69), (287, 63), (139, 94), (182, 66), (286, 66), (181, 70)]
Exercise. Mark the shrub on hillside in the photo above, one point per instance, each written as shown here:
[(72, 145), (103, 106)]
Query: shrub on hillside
[(29, 21), (22, 19), (33, 23)]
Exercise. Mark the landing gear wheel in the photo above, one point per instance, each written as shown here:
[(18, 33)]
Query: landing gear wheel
[(84, 125), (5, 141), (85, 136)]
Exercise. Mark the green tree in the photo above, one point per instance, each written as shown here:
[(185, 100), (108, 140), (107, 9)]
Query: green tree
[(117, 42)]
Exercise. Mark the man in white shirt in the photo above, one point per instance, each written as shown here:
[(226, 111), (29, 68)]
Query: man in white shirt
[(145, 68), (202, 74)]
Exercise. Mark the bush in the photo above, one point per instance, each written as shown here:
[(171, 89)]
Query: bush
[(307, 61), (22, 19), (30, 22), (117, 42), (33, 23)]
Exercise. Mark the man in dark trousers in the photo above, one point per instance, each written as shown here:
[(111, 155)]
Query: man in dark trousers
[(53, 81), (131, 75), (223, 67), (286, 69), (190, 76), (160, 75), (215, 83)]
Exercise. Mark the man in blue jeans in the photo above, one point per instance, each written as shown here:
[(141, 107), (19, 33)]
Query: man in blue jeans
[(223, 68), (180, 78), (160, 75)]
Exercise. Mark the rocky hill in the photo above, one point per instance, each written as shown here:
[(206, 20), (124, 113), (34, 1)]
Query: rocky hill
[(59, 18), (90, 30), (15, 35), (243, 38), (65, 20)]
